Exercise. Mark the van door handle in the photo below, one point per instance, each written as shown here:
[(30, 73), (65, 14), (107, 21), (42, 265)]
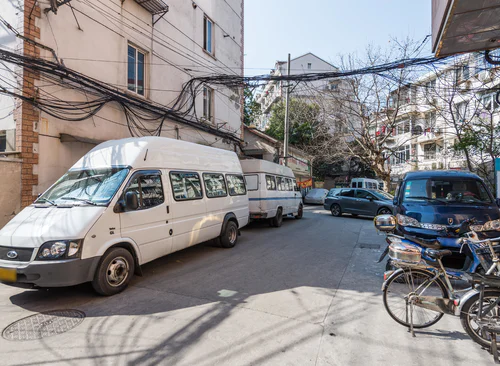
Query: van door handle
[(168, 209)]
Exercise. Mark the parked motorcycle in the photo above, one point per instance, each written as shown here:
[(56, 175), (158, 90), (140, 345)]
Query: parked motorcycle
[(461, 260)]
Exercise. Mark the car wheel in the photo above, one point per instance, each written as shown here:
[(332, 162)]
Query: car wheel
[(336, 210), (277, 220), (229, 237), (384, 211), (300, 212), (114, 272)]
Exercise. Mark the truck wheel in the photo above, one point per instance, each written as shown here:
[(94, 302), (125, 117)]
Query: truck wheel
[(229, 237), (277, 220), (300, 213), (114, 272)]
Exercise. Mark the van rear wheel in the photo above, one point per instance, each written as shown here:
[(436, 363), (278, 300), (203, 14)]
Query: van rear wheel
[(229, 237), (300, 212), (277, 220), (114, 272)]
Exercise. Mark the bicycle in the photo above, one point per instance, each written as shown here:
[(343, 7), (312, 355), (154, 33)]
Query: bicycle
[(417, 295)]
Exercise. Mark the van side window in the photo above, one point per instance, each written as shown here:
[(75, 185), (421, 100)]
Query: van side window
[(281, 183), (252, 182), (353, 185), (270, 183), (186, 186), (236, 185), (148, 189), (215, 185), (289, 184)]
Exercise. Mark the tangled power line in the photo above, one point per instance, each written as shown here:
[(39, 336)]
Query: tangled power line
[(145, 117)]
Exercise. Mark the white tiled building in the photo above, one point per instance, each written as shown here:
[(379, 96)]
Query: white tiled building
[(432, 108), (274, 91)]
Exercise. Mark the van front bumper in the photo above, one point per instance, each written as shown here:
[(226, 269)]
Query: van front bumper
[(54, 273)]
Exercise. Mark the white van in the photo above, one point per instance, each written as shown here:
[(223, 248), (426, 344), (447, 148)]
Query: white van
[(366, 183), (272, 191), (125, 203)]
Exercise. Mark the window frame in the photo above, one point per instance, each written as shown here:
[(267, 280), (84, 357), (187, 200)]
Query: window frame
[(206, 20), (172, 185), (256, 175), (205, 185), (209, 105), (136, 70), (244, 185), (134, 176)]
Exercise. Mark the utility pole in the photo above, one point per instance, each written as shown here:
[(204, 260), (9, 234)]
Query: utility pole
[(287, 99)]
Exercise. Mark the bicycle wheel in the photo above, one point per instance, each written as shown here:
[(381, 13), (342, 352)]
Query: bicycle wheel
[(401, 285), (468, 316)]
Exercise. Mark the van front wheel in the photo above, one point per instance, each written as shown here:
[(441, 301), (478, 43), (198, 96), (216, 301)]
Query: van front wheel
[(114, 272), (229, 237), (300, 213)]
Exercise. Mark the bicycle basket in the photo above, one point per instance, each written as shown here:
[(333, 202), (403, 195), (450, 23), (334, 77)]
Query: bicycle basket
[(404, 255), (484, 255)]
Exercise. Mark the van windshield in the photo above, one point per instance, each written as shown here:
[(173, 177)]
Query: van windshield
[(446, 190), (90, 186)]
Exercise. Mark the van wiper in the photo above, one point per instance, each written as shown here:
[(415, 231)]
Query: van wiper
[(427, 199), (80, 199), (48, 201)]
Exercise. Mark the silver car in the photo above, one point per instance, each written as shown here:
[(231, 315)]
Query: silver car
[(357, 201), (316, 196)]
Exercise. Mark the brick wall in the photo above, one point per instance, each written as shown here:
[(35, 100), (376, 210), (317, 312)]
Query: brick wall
[(27, 116)]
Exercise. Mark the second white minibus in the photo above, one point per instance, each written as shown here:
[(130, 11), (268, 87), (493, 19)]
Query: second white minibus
[(272, 191)]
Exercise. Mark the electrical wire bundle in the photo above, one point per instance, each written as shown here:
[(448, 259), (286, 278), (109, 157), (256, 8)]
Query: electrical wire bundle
[(138, 112)]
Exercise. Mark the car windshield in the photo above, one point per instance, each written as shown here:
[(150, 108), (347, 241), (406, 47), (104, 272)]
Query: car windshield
[(333, 192), (446, 190), (382, 195), (89, 186)]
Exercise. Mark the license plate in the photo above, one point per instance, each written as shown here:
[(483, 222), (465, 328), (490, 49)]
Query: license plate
[(8, 275)]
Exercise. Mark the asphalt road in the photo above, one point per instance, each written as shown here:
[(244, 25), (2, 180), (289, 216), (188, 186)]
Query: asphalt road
[(307, 293)]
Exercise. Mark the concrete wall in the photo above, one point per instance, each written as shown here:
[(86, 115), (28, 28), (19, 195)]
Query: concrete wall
[(10, 189)]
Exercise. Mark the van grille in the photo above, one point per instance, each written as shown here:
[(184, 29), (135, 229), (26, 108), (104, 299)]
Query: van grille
[(23, 254)]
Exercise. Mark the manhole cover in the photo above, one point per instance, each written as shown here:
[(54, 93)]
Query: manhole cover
[(369, 246), (43, 325)]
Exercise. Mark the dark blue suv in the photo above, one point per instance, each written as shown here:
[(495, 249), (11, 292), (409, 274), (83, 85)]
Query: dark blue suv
[(442, 197)]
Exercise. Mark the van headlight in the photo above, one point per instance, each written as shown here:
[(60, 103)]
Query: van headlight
[(410, 221), (60, 249)]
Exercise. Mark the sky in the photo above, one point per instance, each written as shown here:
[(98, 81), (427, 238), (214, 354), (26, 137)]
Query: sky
[(327, 28)]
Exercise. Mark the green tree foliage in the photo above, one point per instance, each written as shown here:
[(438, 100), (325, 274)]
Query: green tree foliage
[(252, 108), (303, 119)]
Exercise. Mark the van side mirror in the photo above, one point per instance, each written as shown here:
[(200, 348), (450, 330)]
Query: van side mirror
[(297, 189), (131, 201), (498, 202)]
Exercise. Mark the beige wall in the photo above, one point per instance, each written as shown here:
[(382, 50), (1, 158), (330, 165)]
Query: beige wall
[(10, 189), (99, 50)]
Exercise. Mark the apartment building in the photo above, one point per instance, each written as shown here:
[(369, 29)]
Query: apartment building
[(425, 118), (274, 91), (145, 49)]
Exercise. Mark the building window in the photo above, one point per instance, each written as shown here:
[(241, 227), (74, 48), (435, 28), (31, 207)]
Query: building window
[(135, 70), (208, 35), (430, 151), (208, 102), (309, 66)]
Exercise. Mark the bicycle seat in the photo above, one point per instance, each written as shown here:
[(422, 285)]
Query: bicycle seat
[(437, 254), (426, 243)]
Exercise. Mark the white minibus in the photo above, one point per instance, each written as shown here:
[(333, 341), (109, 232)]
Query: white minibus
[(123, 204), (272, 191), (366, 183)]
